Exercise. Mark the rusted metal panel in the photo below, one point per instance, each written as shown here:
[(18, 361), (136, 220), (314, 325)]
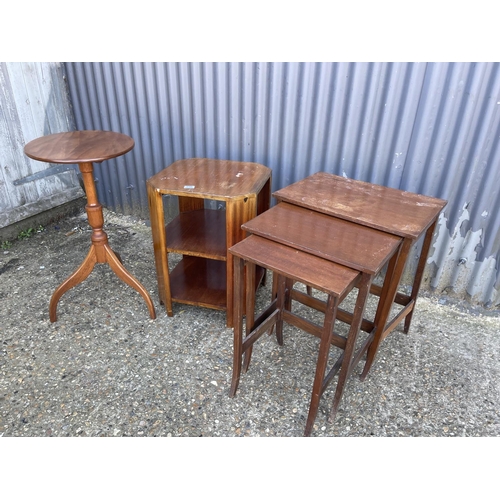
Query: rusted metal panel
[(430, 128), (34, 101)]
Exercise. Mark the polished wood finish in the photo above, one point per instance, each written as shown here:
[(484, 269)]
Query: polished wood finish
[(391, 210), (353, 245), (397, 212), (358, 247), (336, 240), (291, 265), (85, 147), (199, 281), (209, 238), (81, 146), (244, 187)]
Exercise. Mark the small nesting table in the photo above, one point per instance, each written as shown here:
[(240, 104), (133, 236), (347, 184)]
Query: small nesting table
[(290, 265), (204, 275), (401, 213), (85, 147)]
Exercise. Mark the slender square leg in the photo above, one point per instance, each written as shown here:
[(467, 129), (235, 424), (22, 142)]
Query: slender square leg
[(346, 367), (385, 305), (249, 308), (419, 273), (239, 270), (324, 349)]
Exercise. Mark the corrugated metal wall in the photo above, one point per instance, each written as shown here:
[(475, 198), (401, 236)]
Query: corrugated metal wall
[(34, 101), (431, 128)]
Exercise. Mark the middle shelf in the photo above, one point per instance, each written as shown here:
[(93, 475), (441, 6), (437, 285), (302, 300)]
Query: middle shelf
[(200, 233)]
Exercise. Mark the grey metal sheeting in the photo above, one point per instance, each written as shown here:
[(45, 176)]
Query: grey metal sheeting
[(430, 128)]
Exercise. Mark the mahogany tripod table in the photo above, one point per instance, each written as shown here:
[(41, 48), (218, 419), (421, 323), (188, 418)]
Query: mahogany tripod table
[(85, 147), (401, 213)]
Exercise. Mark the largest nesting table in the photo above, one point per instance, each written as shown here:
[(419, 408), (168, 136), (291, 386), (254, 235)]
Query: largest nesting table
[(204, 275), (401, 213)]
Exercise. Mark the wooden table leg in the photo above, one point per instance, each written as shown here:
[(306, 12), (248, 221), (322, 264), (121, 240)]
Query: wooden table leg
[(99, 252), (238, 212), (419, 273), (347, 361), (324, 349), (239, 270), (77, 277), (389, 291), (157, 219), (249, 308), (284, 303), (385, 304), (118, 268)]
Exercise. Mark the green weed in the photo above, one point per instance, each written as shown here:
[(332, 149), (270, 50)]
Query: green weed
[(28, 233)]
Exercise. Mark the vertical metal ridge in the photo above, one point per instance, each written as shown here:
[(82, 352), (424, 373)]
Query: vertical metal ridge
[(431, 128)]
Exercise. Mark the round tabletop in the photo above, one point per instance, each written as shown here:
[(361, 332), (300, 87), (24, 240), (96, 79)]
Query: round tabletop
[(81, 146)]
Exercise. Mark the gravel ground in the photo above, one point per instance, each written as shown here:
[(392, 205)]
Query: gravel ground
[(104, 368)]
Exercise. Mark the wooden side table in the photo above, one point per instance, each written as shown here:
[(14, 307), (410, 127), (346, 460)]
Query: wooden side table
[(85, 147), (204, 275), (401, 213), (290, 265)]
